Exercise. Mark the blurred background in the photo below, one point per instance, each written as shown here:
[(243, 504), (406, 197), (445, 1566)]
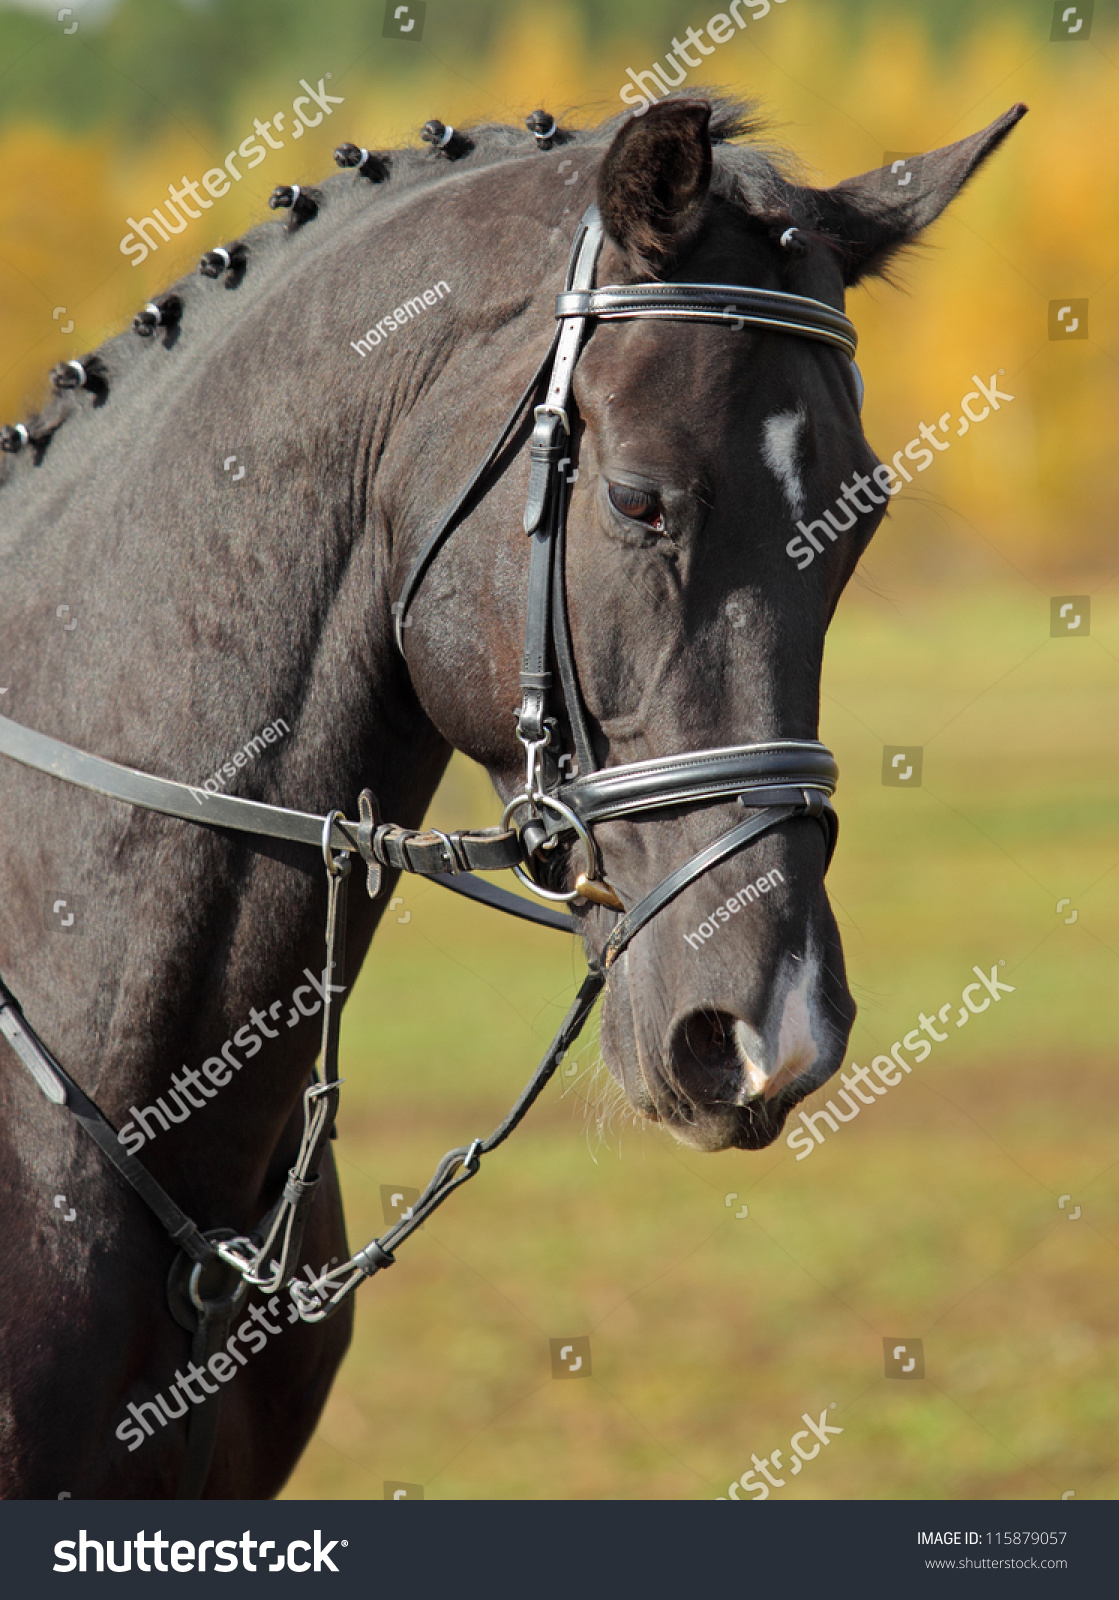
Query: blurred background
[(974, 1208)]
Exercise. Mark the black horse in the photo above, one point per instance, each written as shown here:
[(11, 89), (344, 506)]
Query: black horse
[(202, 538)]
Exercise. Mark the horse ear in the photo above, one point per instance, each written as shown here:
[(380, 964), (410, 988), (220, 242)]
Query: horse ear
[(875, 215), (653, 183)]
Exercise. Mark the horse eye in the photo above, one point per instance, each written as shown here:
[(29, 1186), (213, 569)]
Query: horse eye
[(639, 505)]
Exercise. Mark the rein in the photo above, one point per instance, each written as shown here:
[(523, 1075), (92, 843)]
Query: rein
[(775, 781)]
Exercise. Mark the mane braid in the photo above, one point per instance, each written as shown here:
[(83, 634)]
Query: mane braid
[(748, 175)]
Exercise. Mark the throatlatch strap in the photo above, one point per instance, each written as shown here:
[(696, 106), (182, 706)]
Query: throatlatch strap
[(450, 518), (561, 643)]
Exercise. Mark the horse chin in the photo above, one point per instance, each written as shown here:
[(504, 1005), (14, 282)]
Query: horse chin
[(747, 1124), (709, 1128)]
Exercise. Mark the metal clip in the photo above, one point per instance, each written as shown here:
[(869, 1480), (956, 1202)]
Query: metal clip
[(534, 765), (338, 866), (370, 813)]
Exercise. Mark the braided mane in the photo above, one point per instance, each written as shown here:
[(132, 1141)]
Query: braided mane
[(755, 178)]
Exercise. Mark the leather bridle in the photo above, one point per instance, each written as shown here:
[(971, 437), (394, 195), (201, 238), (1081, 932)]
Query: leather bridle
[(775, 781)]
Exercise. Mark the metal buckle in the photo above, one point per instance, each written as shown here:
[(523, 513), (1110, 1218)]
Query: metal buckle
[(552, 411), (452, 861)]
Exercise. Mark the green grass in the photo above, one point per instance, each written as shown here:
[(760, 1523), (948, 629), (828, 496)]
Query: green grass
[(934, 1215)]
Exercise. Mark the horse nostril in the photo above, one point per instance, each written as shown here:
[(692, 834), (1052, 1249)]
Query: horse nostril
[(703, 1055)]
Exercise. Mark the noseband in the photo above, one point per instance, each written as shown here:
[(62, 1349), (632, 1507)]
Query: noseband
[(775, 782)]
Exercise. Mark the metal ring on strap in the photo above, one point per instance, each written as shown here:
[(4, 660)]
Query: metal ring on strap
[(573, 822), (337, 868)]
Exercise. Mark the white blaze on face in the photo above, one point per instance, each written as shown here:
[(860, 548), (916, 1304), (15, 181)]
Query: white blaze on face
[(781, 453), (767, 1070)]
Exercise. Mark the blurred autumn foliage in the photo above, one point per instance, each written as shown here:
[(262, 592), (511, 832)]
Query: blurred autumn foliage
[(94, 125)]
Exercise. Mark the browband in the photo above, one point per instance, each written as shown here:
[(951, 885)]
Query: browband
[(714, 302)]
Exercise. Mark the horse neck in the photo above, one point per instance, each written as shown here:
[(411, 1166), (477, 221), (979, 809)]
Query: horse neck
[(211, 606), (204, 615)]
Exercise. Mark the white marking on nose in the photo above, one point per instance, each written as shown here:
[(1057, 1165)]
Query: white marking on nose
[(781, 453), (767, 1071)]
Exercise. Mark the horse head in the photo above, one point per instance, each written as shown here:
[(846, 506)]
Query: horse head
[(707, 458)]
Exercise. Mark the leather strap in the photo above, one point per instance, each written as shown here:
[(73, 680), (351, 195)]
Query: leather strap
[(432, 855), (714, 302), (551, 444), (170, 799), (57, 1086), (536, 679), (573, 702), (211, 1328), (772, 773), (727, 844), (451, 517), (516, 905)]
